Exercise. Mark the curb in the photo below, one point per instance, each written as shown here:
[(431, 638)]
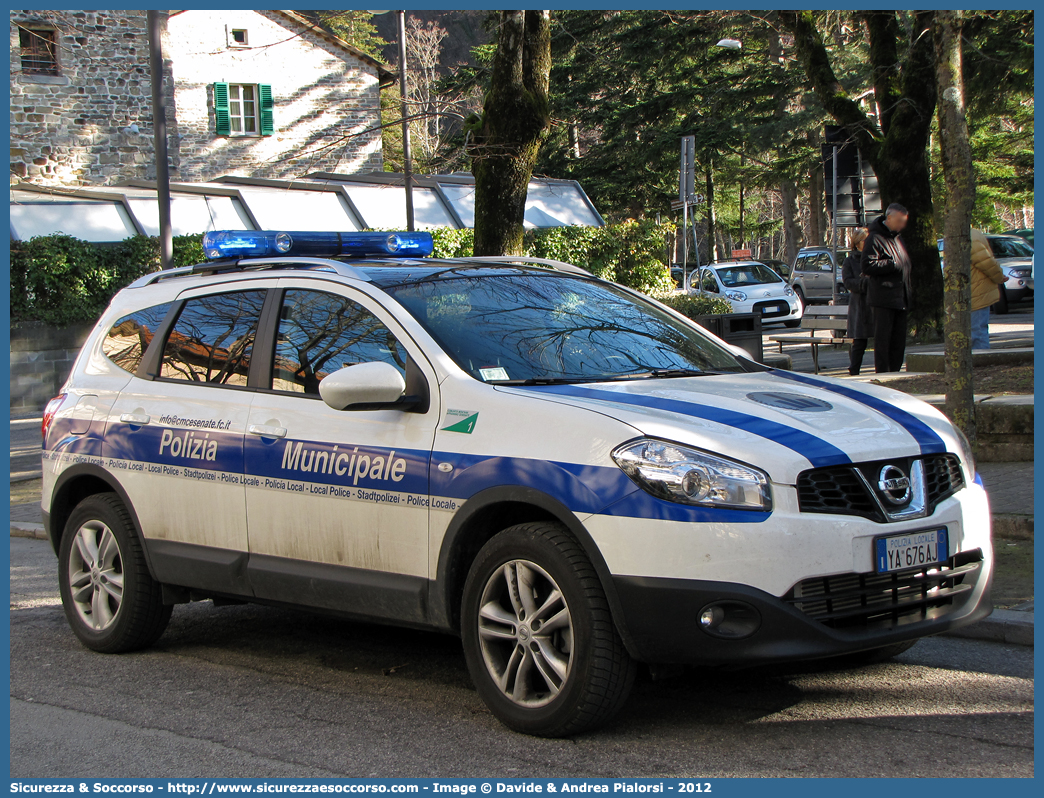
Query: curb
[(1013, 627), (26, 529), (1013, 526)]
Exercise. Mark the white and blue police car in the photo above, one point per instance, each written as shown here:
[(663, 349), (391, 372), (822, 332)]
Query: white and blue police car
[(567, 474)]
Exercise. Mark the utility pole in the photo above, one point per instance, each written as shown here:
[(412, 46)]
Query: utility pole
[(159, 127), (833, 224), (407, 161)]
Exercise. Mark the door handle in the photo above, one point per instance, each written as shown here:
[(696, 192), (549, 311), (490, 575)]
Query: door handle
[(137, 419), (266, 431)]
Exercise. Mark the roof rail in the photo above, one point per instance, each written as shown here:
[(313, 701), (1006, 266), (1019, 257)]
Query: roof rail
[(557, 265), (252, 264)]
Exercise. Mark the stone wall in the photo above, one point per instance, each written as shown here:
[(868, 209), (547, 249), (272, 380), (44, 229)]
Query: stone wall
[(92, 123), (325, 98), (76, 127), (41, 360)]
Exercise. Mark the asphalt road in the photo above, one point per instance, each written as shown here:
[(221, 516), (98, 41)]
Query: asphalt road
[(25, 446), (250, 691)]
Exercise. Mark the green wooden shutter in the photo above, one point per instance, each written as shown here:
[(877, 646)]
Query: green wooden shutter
[(221, 116), (264, 94)]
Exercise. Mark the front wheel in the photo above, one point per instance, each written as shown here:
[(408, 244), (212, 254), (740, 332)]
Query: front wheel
[(792, 323), (111, 601), (539, 638)]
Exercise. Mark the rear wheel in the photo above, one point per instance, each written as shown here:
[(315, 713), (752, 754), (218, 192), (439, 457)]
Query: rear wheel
[(111, 601), (538, 635)]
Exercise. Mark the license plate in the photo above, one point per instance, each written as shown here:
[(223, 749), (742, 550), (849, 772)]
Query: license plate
[(911, 550)]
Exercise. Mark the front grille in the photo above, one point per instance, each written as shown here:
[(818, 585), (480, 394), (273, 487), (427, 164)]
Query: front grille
[(840, 490), (943, 477), (836, 490), (876, 601)]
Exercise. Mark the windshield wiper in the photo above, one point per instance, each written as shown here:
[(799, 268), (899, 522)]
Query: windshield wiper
[(661, 374), (542, 381)]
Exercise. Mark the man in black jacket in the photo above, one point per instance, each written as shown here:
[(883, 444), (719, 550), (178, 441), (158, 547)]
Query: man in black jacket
[(887, 264)]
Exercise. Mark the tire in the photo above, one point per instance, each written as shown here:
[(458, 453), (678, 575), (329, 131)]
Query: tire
[(116, 605), (800, 294), (584, 645), (1001, 305), (792, 323)]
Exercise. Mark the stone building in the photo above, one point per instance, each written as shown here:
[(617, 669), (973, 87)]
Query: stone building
[(250, 93)]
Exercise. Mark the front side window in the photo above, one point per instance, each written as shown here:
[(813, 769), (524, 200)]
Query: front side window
[(532, 328), (213, 339), (242, 108), (320, 333), (708, 283), (129, 337)]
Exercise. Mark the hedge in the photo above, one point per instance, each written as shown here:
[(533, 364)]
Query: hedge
[(61, 280), (697, 305)]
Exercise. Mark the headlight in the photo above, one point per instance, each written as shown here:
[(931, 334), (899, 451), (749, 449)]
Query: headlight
[(736, 296), (688, 476), (1018, 273), (967, 455), (788, 291)]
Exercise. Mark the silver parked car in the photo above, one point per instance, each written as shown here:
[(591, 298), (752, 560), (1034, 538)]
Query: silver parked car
[(813, 273)]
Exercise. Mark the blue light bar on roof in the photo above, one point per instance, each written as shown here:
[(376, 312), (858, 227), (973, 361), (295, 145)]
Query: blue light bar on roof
[(270, 243)]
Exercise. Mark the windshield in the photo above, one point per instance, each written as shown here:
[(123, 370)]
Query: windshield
[(1010, 247), (746, 274), (522, 327)]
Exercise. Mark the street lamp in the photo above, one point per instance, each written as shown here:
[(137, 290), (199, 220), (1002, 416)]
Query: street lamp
[(407, 160), (730, 44)]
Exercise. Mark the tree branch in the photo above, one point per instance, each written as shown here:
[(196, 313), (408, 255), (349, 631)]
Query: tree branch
[(815, 60)]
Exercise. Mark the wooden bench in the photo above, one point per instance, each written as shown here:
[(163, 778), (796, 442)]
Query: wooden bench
[(814, 319)]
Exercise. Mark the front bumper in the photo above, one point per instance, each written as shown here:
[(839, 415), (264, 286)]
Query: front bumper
[(660, 623), (665, 574)]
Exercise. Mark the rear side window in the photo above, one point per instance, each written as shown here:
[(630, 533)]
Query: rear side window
[(213, 339), (129, 337), (320, 333)]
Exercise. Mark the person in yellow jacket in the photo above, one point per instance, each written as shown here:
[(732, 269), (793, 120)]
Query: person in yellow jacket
[(986, 277)]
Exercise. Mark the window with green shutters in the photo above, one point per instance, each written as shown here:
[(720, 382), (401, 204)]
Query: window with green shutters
[(243, 109)]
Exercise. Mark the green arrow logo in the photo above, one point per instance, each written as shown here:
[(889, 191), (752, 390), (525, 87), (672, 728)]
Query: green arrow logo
[(465, 425)]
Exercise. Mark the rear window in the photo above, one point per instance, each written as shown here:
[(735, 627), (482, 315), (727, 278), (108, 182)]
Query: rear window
[(213, 339), (129, 337)]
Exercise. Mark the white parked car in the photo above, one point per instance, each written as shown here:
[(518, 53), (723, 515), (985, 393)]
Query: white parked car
[(750, 287), (568, 475)]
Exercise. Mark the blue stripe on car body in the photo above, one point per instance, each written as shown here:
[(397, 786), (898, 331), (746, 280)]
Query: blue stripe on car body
[(817, 451), (926, 437)]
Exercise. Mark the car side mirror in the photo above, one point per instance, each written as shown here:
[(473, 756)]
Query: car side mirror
[(366, 386)]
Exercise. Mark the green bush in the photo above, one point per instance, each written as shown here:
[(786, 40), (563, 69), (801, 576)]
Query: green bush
[(61, 280), (631, 253), (696, 305)]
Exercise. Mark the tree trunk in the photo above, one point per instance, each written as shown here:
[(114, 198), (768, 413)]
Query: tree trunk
[(959, 175), (816, 198), (712, 241), (905, 90), (791, 221), (515, 120)]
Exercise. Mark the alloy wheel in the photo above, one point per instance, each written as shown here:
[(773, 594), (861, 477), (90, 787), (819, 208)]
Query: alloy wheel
[(525, 633)]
